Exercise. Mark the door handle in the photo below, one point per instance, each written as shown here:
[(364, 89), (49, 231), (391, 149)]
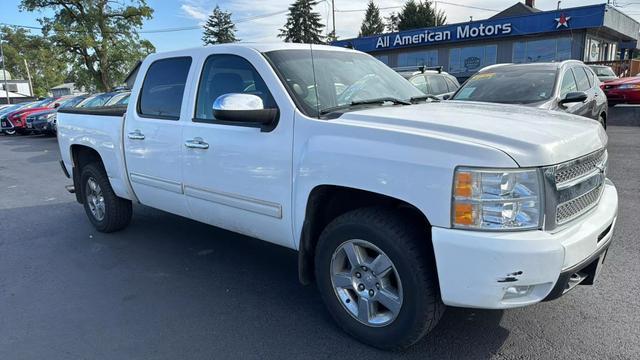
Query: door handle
[(196, 143), (135, 135)]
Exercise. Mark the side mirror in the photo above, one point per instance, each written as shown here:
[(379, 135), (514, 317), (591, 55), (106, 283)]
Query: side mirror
[(56, 105), (446, 96), (244, 109), (573, 97)]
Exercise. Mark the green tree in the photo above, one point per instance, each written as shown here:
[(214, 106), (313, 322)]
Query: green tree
[(372, 23), (303, 24), (415, 15), (219, 28), (46, 67), (392, 22), (99, 38)]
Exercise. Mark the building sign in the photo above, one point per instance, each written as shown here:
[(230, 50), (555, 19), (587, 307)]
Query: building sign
[(542, 22)]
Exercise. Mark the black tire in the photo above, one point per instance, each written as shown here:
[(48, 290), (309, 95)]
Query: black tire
[(118, 211), (602, 120), (408, 247)]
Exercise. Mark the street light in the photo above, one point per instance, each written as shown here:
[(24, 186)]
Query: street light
[(4, 71)]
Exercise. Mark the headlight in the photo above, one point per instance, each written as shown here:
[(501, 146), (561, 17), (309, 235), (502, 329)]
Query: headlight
[(51, 117), (501, 199)]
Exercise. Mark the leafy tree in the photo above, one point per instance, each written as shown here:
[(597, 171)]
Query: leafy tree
[(303, 24), (392, 22), (419, 15), (99, 38), (46, 67), (372, 23), (219, 28)]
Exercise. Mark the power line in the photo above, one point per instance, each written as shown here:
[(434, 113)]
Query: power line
[(154, 31), (440, 2)]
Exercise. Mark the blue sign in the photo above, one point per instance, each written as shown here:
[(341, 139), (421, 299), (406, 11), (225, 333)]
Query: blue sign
[(542, 22)]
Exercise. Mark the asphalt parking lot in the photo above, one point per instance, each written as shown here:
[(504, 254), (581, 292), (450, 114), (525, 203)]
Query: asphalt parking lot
[(172, 288)]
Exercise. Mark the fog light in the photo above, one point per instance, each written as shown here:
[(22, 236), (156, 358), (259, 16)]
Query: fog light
[(513, 292)]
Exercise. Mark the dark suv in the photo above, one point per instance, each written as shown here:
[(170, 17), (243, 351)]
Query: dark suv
[(568, 86)]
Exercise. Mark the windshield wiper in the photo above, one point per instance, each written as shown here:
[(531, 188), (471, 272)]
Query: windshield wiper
[(424, 97), (380, 101)]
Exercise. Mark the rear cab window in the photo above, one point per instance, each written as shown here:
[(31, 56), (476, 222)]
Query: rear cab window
[(163, 88)]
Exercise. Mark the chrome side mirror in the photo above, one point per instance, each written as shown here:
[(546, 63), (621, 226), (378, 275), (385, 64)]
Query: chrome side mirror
[(244, 110)]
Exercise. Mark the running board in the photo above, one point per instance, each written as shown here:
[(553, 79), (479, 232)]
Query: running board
[(71, 189)]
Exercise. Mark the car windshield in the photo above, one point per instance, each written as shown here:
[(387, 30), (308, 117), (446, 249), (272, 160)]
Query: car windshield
[(96, 100), (603, 71), (512, 85), (73, 102), (322, 80)]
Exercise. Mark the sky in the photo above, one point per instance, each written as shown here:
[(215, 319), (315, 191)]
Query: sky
[(187, 13)]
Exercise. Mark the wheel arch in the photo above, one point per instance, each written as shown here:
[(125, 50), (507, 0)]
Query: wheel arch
[(81, 155), (326, 202)]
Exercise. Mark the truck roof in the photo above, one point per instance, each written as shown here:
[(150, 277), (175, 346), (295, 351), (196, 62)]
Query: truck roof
[(260, 47)]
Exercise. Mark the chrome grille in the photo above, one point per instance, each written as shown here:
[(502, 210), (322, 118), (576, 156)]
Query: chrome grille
[(575, 169), (574, 187), (573, 208)]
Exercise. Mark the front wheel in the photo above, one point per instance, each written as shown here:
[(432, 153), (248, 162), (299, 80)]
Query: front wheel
[(377, 277), (106, 211), (602, 122)]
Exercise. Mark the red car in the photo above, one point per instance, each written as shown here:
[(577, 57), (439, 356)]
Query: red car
[(622, 91), (18, 119)]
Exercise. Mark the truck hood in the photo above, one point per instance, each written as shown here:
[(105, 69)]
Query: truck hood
[(532, 137)]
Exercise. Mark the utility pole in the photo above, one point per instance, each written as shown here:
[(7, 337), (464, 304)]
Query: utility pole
[(4, 71), (435, 11), (29, 77), (333, 16)]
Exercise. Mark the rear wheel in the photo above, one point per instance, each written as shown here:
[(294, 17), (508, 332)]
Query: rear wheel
[(106, 211), (377, 277)]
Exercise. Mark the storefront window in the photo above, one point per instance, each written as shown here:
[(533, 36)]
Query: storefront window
[(383, 58), (416, 58), (542, 50), (472, 58)]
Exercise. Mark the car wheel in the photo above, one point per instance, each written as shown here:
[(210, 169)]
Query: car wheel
[(602, 122), (106, 211), (377, 277)]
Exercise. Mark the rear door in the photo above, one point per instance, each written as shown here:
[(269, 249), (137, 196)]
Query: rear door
[(153, 135), (238, 176)]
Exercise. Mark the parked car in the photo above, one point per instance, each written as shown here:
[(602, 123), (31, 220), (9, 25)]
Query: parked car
[(121, 99), (17, 120), (432, 82), (6, 126), (567, 86), (44, 122), (397, 204), (97, 100), (623, 91), (604, 73)]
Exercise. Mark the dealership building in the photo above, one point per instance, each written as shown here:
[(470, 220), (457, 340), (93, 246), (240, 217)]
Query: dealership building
[(519, 34)]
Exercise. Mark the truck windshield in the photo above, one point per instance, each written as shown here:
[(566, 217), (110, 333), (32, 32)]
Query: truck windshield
[(338, 80)]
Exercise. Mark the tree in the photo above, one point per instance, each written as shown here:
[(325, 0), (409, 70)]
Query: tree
[(46, 67), (331, 37), (372, 23), (419, 15), (392, 22), (99, 38), (219, 28), (303, 24)]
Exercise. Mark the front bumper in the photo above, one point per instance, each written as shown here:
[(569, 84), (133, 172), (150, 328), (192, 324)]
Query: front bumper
[(483, 269)]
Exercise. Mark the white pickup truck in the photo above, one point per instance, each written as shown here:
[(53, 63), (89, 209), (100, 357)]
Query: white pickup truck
[(398, 203)]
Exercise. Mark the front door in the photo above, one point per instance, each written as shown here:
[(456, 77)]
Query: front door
[(153, 136), (237, 176)]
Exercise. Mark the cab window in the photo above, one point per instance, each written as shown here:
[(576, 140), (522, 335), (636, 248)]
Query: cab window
[(227, 74), (421, 83), (163, 88)]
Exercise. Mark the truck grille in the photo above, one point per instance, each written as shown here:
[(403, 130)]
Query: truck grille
[(576, 187), (573, 208)]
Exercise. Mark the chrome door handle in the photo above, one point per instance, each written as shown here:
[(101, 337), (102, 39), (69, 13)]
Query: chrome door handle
[(196, 143), (135, 135)]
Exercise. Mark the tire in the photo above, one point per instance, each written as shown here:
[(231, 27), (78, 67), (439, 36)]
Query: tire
[(409, 251), (10, 132), (116, 212), (602, 121)]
